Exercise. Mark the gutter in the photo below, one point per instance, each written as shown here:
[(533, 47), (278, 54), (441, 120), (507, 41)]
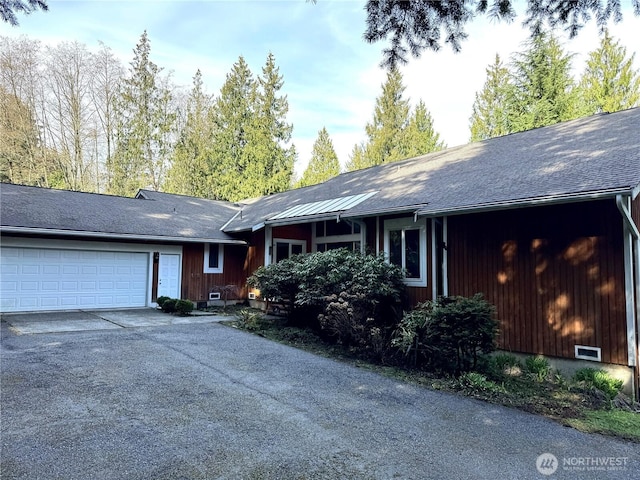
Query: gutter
[(527, 202), (118, 236)]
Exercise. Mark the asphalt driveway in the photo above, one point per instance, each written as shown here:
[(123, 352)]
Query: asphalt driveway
[(206, 401)]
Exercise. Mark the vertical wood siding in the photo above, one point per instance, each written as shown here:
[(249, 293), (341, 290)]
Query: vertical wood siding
[(555, 274), (294, 232), (196, 284)]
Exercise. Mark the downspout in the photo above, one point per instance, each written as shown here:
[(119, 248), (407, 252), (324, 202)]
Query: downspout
[(445, 266), (434, 260), (632, 278)]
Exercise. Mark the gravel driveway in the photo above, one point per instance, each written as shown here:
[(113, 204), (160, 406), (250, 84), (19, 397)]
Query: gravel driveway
[(206, 401)]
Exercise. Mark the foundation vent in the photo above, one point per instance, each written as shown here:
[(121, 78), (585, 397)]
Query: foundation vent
[(588, 353)]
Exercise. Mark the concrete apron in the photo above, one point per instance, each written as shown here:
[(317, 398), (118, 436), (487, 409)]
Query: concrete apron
[(78, 320)]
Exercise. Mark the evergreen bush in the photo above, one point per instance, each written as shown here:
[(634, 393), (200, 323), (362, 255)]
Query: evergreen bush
[(184, 307), (169, 305), (448, 335)]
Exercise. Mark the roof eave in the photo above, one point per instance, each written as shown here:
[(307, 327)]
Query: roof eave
[(528, 202), (7, 229)]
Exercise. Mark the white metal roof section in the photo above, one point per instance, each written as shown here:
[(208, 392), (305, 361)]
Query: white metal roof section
[(339, 204)]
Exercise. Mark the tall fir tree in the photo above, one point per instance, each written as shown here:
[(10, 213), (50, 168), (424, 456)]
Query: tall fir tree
[(384, 133), (252, 154), (190, 165), (609, 82), (272, 154), (324, 162), (232, 115), (544, 90), (490, 117), (419, 137), (145, 121)]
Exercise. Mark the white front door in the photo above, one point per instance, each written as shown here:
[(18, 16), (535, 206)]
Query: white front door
[(169, 275)]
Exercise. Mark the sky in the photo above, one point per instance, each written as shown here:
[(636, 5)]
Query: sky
[(332, 77)]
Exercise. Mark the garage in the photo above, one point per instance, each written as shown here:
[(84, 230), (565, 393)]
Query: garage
[(37, 279)]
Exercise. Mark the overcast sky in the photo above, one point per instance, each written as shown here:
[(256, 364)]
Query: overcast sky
[(331, 76)]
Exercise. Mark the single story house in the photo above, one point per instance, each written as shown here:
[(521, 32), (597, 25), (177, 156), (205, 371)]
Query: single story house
[(544, 223)]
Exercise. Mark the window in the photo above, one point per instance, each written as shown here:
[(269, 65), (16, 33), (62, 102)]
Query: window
[(213, 258), (331, 235), (405, 244), (285, 248)]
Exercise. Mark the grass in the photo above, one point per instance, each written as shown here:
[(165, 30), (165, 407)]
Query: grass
[(533, 387), (615, 422)]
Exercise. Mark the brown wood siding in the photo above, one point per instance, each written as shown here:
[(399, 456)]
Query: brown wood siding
[(555, 274), (196, 284), (294, 232), (635, 211)]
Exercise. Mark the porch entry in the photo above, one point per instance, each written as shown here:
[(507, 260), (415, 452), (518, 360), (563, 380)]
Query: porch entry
[(169, 275)]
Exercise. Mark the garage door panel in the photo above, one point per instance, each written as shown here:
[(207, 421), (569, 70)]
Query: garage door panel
[(50, 279)]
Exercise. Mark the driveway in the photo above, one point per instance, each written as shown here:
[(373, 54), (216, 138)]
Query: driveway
[(206, 401), (81, 320)]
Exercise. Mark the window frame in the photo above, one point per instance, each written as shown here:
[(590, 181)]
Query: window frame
[(352, 238), (290, 241), (207, 253), (404, 224)]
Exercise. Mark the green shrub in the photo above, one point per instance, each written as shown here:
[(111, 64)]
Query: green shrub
[(184, 307), (538, 367), (161, 300), (278, 282), (599, 379), (306, 284), (507, 364), (473, 382), (449, 334), (169, 305), (250, 319)]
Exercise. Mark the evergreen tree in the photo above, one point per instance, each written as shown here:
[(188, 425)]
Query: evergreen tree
[(145, 121), (232, 116), (357, 160), (419, 137), (190, 163), (544, 91), (395, 132), (490, 117), (251, 156), (384, 134), (609, 83), (272, 158), (324, 162)]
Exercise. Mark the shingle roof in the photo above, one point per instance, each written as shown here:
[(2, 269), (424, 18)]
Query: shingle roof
[(154, 216), (584, 157), (578, 158)]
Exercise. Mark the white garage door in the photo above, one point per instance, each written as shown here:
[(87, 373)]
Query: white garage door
[(54, 279)]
